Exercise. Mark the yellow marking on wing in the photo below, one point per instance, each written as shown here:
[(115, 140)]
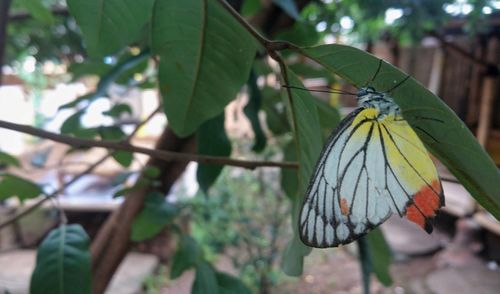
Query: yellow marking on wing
[(412, 166), (369, 113)]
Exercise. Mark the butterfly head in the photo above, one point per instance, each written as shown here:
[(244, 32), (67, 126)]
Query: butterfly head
[(367, 94), (366, 91)]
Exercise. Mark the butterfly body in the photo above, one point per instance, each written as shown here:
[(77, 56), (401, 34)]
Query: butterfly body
[(372, 166)]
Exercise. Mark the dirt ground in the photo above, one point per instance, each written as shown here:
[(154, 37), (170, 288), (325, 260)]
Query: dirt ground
[(422, 264)]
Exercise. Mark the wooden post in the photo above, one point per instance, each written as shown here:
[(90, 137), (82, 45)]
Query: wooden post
[(485, 109), (436, 71)]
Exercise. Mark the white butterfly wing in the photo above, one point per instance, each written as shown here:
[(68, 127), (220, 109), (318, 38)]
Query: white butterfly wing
[(355, 188)]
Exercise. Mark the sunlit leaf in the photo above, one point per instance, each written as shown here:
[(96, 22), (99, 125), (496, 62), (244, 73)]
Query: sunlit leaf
[(63, 263), (205, 58)]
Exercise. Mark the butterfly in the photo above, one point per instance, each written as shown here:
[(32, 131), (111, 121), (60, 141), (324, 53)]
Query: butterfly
[(373, 165)]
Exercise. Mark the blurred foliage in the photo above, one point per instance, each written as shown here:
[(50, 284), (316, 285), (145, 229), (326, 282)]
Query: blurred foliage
[(245, 216)]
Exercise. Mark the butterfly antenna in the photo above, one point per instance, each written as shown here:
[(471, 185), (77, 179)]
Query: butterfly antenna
[(376, 73), (398, 84), (334, 91)]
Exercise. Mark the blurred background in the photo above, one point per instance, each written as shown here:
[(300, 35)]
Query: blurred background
[(242, 222)]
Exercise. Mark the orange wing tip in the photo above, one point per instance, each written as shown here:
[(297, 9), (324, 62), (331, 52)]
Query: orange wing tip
[(426, 203)]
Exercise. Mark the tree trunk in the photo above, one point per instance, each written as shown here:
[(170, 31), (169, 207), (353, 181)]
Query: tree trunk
[(112, 242)]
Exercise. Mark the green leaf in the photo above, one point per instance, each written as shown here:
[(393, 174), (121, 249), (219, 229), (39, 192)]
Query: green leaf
[(127, 76), (72, 124), (11, 185), (303, 34), (188, 255), (206, 56), (38, 10), (120, 178), (329, 117), (212, 140), (275, 115), (229, 284), (124, 158), (380, 255), (443, 133), (107, 79), (155, 215), (118, 110), (87, 98), (113, 133), (63, 263), (205, 280), (251, 111), (108, 26), (289, 176), (375, 257), (366, 263), (124, 191), (250, 7), (151, 172), (88, 67), (307, 131), (289, 7), (8, 159), (311, 71)]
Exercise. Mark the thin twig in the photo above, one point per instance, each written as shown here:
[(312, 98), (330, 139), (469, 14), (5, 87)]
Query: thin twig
[(160, 154), (261, 39), (271, 46)]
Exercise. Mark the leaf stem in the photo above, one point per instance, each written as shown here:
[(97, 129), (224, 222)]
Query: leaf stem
[(271, 46)]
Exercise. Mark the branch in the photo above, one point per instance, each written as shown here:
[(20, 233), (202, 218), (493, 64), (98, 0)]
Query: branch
[(271, 46), (75, 178), (160, 154)]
